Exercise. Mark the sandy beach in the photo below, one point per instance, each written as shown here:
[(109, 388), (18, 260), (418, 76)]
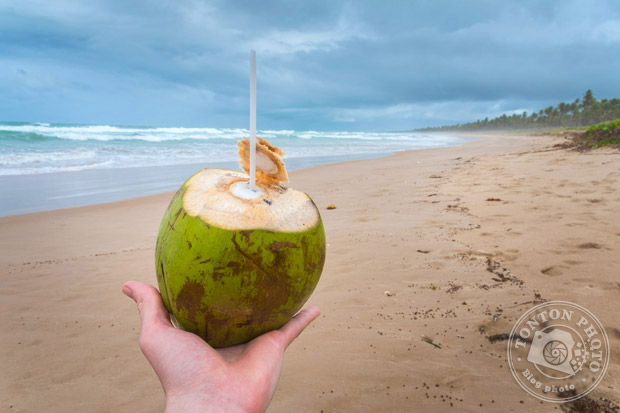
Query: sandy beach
[(424, 225)]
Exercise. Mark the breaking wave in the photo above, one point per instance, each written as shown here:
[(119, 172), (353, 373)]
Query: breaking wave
[(28, 148)]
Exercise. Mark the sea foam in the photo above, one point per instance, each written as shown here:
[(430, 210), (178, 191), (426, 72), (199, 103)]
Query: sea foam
[(31, 148)]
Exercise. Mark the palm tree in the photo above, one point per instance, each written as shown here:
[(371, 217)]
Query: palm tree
[(588, 99)]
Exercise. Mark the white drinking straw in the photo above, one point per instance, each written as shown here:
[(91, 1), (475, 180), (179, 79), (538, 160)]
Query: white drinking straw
[(252, 120)]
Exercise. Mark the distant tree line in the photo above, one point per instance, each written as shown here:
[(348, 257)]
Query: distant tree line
[(582, 112)]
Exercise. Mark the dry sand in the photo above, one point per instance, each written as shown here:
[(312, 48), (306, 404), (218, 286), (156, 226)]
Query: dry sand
[(417, 224)]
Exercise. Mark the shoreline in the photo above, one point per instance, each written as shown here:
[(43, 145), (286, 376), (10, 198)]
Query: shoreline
[(416, 223), (73, 189)]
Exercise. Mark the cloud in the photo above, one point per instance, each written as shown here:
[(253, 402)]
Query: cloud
[(608, 31), (404, 111), (321, 65), (328, 39)]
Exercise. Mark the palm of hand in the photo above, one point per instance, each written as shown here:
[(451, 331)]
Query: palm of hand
[(197, 377)]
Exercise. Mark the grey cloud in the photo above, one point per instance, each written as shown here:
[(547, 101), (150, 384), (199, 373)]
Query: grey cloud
[(321, 65)]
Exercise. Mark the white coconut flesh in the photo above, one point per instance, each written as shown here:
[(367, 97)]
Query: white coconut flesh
[(223, 198)]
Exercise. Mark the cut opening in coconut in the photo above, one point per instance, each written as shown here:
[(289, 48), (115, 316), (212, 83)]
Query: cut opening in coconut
[(224, 198)]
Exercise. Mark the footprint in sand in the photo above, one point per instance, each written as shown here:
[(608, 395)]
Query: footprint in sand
[(574, 224), (600, 285), (584, 191), (590, 245), (551, 271)]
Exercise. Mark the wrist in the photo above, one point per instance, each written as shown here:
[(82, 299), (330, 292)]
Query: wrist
[(202, 403), (187, 403)]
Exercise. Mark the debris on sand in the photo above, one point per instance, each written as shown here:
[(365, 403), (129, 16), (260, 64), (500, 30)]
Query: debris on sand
[(389, 294), (423, 251), (501, 274), (431, 342), (538, 298), (331, 206), (498, 337), (587, 404), (493, 199)]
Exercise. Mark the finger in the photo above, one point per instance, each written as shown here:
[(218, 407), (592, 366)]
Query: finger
[(297, 324), (264, 353), (150, 306)]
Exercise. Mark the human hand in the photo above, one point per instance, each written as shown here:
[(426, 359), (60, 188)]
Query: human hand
[(197, 377)]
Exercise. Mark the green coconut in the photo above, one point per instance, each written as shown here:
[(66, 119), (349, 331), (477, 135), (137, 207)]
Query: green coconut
[(231, 266)]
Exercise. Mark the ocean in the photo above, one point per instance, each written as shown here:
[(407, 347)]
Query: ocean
[(48, 166)]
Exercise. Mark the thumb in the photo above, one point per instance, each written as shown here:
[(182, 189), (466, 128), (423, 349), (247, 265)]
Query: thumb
[(150, 306), (297, 324)]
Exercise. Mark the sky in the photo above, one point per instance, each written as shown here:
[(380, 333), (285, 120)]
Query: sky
[(321, 65)]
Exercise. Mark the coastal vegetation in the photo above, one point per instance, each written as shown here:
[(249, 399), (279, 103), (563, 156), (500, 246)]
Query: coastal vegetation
[(581, 112), (597, 136)]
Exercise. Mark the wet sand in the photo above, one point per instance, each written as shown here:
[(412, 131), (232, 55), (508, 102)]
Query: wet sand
[(418, 224)]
